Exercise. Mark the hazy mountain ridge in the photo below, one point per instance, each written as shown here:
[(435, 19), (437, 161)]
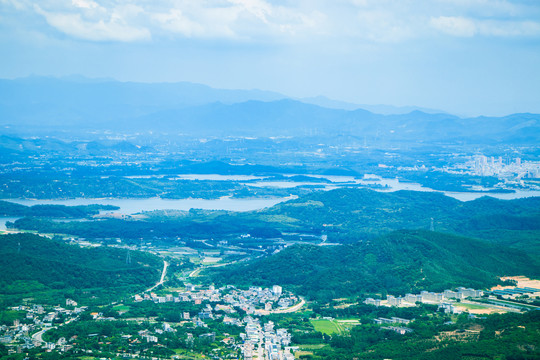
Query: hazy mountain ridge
[(198, 110), (377, 109), (16, 145)]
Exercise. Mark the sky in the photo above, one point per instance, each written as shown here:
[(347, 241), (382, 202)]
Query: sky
[(467, 57)]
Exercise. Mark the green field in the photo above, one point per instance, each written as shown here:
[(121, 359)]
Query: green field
[(328, 327), (333, 326), (472, 306), (312, 346), (123, 308)]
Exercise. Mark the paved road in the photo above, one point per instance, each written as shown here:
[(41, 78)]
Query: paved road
[(194, 272), (162, 279), (199, 269), (39, 335), (291, 309)]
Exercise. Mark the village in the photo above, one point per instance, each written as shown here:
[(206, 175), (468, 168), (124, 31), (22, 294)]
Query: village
[(254, 301), (202, 309), (456, 302), (228, 305), (27, 334)]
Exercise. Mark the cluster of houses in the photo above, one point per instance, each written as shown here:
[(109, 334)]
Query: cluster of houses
[(515, 292), (37, 317), (444, 299), (265, 342), (259, 342), (253, 301), (149, 337), (427, 297), (259, 301), (392, 321)]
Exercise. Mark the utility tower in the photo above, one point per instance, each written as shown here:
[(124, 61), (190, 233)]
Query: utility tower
[(128, 257), (432, 226)]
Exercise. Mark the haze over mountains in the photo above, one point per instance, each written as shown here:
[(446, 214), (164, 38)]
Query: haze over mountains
[(64, 104)]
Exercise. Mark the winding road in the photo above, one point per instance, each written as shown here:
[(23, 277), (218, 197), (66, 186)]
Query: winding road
[(293, 308), (39, 335)]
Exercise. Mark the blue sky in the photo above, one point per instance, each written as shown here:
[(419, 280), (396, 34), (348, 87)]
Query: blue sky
[(468, 57)]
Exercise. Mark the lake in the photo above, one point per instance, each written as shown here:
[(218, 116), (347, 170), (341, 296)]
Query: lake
[(132, 206), (3, 221), (391, 185)]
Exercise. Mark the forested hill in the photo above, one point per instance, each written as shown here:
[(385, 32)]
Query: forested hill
[(34, 264), (57, 211), (400, 262), (345, 215), (351, 214)]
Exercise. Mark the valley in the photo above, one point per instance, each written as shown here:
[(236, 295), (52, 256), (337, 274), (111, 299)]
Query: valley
[(248, 225), (312, 275)]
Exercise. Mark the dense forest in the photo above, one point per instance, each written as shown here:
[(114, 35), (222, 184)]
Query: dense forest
[(397, 263), (36, 265), (353, 213)]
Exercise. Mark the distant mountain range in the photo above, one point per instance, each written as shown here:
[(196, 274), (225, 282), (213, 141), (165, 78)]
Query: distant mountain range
[(40, 103), (377, 109)]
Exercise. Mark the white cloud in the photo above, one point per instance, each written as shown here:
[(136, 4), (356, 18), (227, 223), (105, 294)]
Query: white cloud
[(486, 8), (112, 28), (176, 22), (234, 19), (454, 25), (382, 26), (85, 4), (465, 27), (372, 21), (258, 8), (509, 28), (20, 5), (114, 20)]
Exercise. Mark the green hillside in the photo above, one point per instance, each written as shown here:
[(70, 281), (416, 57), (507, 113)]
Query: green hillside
[(349, 215), (370, 212), (400, 262), (57, 211), (40, 266), (345, 215)]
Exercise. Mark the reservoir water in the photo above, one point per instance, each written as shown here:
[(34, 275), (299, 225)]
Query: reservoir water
[(133, 206), (389, 185)]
